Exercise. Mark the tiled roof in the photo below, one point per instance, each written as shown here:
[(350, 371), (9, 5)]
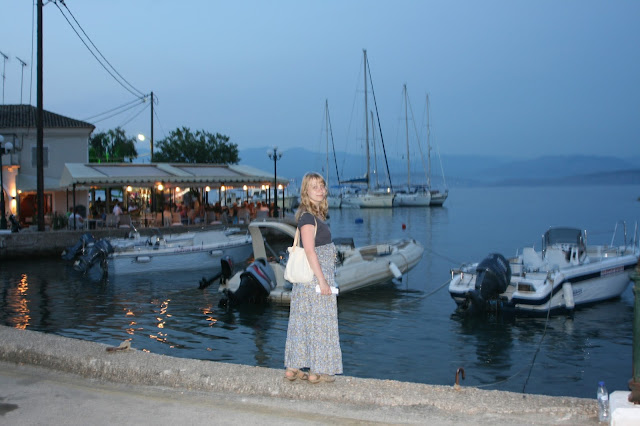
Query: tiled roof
[(25, 116)]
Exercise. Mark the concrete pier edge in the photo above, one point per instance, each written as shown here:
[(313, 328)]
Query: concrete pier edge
[(92, 360)]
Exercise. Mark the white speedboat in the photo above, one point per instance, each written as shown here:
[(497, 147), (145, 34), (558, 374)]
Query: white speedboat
[(357, 267), (566, 273), (158, 253)]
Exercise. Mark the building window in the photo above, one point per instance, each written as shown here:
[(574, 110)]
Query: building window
[(34, 156)]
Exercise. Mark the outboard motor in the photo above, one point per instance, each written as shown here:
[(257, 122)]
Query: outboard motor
[(70, 253), (256, 282), (226, 270), (99, 251), (493, 277)]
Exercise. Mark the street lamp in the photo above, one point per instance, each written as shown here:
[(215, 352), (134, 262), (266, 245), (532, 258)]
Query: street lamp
[(275, 156), (4, 148)]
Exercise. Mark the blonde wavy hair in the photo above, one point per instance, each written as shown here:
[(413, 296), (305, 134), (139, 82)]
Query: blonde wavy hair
[(306, 205)]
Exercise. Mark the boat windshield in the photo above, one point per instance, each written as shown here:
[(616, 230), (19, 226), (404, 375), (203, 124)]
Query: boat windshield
[(563, 236)]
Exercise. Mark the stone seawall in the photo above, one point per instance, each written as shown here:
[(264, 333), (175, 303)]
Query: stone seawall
[(424, 404)]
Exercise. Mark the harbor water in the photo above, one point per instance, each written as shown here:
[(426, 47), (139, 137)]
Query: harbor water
[(406, 330)]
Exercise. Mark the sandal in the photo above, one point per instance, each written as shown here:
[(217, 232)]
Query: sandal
[(292, 374), (317, 378)]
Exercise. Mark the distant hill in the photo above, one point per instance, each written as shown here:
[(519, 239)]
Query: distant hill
[(459, 170)]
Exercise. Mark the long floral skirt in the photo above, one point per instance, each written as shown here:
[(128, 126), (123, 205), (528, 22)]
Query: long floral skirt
[(313, 340)]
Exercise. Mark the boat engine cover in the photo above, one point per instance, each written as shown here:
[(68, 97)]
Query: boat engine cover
[(262, 272), (494, 275)]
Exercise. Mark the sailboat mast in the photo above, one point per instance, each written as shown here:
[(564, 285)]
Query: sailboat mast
[(406, 126), (366, 116), (428, 147), (326, 117), (375, 154)]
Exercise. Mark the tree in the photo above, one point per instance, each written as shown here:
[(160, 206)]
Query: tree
[(183, 146), (112, 146)]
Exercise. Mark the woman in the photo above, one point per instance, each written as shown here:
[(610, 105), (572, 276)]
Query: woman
[(312, 336)]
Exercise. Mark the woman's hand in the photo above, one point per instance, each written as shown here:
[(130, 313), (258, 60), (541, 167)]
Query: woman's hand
[(324, 287)]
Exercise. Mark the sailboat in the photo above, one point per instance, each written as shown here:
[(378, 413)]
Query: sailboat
[(411, 197), (437, 197), (371, 197)]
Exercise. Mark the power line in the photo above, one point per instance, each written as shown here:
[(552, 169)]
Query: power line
[(119, 112), (133, 116), (122, 81), (136, 101)]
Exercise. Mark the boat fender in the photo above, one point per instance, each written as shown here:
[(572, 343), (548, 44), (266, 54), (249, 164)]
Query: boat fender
[(395, 270), (143, 259), (567, 291)]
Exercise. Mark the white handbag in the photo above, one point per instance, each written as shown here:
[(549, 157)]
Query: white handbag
[(298, 269)]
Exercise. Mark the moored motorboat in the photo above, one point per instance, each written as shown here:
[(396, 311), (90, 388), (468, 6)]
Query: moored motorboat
[(200, 250), (564, 274), (356, 267)]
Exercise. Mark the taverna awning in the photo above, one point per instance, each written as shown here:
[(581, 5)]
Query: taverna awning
[(150, 174)]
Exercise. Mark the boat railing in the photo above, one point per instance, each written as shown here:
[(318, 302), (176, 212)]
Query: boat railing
[(615, 230)]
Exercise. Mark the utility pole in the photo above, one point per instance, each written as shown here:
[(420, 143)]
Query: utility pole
[(151, 127), (40, 127), (24, 64)]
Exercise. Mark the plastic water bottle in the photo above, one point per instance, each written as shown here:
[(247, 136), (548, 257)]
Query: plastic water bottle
[(603, 402)]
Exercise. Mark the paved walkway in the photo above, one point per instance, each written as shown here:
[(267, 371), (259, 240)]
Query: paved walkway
[(47, 379)]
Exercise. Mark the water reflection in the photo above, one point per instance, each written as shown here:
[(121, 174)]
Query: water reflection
[(16, 304)]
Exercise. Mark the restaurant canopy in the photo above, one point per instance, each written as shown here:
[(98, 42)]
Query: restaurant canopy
[(150, 174)]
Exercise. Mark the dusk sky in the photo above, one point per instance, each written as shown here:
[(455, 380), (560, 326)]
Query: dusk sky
[(513, 78)]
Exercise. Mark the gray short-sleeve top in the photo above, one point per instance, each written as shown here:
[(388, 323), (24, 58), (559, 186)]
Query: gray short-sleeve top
[(323, 234)]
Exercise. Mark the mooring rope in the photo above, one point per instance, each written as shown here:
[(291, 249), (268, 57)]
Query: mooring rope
[(544, 333), (533, 361), (453, 261)]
